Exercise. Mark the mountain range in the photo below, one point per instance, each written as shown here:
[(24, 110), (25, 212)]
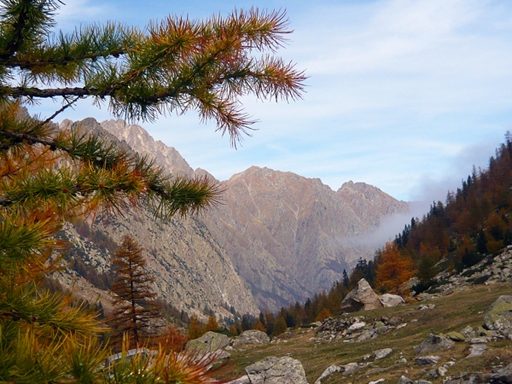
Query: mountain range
[(276, 238)]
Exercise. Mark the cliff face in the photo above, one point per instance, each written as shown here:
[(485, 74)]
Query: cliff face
[(284, 235), (289, 236), (192, 271)]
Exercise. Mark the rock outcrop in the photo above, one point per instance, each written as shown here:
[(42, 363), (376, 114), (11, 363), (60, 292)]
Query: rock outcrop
[(361, 298), (274, 370), (209, 342), (251, 336), (499, 316)]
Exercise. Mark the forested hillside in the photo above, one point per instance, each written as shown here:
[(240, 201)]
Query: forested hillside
[(473, 222)]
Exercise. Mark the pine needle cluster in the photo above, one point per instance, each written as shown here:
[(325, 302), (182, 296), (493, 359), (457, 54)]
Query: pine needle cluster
[(48, 175)]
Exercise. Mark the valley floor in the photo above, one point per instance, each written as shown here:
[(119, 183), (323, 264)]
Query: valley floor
[(455, 312)]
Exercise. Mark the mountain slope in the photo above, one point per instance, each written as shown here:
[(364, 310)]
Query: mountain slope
[(289, 236), (193, 272), (286, 236)]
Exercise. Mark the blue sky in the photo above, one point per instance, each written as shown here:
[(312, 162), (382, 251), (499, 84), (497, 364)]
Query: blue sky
[(405, 95)]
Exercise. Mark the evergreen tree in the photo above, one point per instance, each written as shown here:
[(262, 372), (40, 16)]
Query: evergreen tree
[(49, 176), (280, 326), (345, 279), (135, 308)]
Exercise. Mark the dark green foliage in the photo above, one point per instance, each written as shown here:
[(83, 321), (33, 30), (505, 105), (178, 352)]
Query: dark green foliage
[(345, 279), (481, 242), (469, 259), (364, 269)]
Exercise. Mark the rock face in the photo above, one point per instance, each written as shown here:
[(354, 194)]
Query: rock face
[(283, 236), (192, 271), (361, 298), (290, 236)]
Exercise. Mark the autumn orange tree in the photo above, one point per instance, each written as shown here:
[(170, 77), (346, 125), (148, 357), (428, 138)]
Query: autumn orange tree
[(393, 268), (136, 312), (48, 176)]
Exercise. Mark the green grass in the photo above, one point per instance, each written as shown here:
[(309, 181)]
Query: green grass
[(452, 313)]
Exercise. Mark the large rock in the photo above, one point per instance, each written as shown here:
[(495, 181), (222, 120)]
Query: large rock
[(273, 370), (209, 342), (329, 372), (427, 360), (252, 336), (499, 316), (361, 298), (503, 375), (389, 300), (434, 343)]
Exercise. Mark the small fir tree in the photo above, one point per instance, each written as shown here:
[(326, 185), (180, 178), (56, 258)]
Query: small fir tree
[(135, 308)]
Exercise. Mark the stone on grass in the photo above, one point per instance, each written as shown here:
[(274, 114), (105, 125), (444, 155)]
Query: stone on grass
[(389, 300), (499, 316), (434, 343), (382, 353), (209, 342), (456, 336), (252, 336), (405, 380), (361, 298), (356, 326), (273, 370), (328, 372), (350, 368), (427, 360), (477, 350)]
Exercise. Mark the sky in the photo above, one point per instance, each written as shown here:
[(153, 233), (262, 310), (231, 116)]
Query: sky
[(405, 95)]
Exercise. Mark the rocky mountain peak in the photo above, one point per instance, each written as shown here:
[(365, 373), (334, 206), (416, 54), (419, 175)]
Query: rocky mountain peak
[(284, 235), (141, 141), (369, 203)]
